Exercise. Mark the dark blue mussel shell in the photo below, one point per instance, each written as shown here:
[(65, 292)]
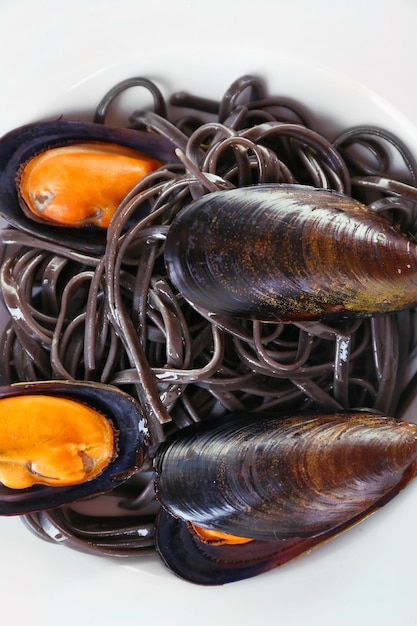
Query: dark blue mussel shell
[(277, 252), (132, 442), (203, 563), (270, 477), (289, 483), (19, 145)]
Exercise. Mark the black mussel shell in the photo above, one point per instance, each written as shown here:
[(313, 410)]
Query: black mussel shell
[(204, 564), (200, 562), (132, 440), (19, 145), (268, 477), (289, 252)]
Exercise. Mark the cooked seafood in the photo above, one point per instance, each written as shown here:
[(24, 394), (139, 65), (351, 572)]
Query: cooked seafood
[(80, 184), (288, 253), (38, 193), (197, 560), (248, 493), (89, 305), (50, 462), (62, 443), (271, 478)]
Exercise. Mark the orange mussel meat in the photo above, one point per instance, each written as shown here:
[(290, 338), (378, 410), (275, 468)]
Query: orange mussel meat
[(215, 537), (76, 173), (62, 441), (81, 184), (52, 441)]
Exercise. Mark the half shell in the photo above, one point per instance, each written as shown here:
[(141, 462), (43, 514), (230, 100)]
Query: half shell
[(22, 144), (131, 433)]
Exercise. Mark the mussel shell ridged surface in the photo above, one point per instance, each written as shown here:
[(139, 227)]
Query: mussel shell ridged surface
[(131, 436), (289, 252), (203, 563), (21, 144), (267, 477)]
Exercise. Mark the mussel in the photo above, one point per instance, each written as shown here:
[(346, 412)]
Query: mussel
[(301, 475), (99, 165), (62, 441), (198, 561), (286, 483), (276, 252)]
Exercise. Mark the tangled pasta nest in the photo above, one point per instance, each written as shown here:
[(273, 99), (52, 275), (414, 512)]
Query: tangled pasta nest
[(116, 318)]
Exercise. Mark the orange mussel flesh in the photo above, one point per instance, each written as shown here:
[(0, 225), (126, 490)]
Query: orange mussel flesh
[(81, 184), (52, 441), (216, 537)]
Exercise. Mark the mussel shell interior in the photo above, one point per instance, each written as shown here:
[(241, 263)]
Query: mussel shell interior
[(132, 440), (18, 146)]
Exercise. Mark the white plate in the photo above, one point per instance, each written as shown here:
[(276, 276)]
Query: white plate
[(353, 64)]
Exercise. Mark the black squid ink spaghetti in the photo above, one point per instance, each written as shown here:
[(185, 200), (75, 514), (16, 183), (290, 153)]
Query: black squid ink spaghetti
[(112, 315)]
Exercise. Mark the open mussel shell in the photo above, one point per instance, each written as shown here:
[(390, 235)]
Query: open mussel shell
[(131, 441), (267, 477), (289, 252), (20, 145)]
